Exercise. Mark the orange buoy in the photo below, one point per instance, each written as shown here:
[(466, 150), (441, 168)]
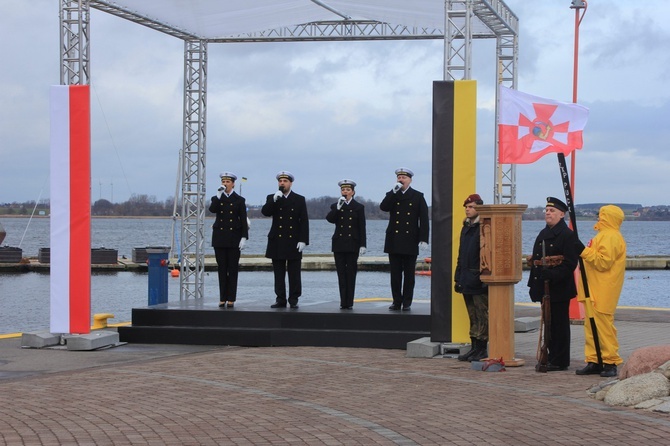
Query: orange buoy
[(174, 273)]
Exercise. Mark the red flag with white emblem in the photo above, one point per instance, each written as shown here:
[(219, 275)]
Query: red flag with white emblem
[(529, 127)]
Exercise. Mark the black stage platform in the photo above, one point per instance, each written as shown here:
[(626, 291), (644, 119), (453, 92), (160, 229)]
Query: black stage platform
[(323, 324)]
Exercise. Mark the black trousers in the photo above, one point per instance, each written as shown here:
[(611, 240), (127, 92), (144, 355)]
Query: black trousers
[(402, 290), (228, 263), (346, 264), (559, 346), (280, 267)]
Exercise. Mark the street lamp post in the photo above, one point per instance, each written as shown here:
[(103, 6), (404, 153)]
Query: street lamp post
[(243, 180)]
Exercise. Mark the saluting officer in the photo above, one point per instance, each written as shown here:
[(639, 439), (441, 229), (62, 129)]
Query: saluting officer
[(407, 231), (230, 233), (349, 240), (288, 236)]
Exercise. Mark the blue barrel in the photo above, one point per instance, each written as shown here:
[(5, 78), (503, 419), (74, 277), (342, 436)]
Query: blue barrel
[(157, 261)]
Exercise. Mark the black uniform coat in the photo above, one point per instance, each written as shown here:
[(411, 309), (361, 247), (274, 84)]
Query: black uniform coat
[(559, 240), (467, 266), (231, 220), (349, 222), (290, 225), (408, 221)]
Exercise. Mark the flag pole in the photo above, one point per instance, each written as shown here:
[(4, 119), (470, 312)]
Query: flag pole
[(569, 188), (573, 220)]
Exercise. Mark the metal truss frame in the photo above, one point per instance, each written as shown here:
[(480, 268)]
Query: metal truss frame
[(192, 274), (458, 34), (507, 52), (74, 42), (458, 40)]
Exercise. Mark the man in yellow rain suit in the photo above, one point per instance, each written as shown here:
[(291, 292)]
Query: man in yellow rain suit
[(605, 265)]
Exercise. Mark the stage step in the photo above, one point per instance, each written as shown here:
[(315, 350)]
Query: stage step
[(316, 327)]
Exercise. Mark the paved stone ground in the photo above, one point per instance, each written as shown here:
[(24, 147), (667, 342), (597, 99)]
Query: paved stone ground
[(194, 395)]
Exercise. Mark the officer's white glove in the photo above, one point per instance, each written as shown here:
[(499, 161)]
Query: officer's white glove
[(243, 242), (278, 195), (301, 246), (340, 202), (362, 250), (397, 187), (219, 192), (423, 246)]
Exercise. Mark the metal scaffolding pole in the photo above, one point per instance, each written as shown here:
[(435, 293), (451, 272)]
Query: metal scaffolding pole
[(507, 52), (457, 40), (193, 171), (74, 42)]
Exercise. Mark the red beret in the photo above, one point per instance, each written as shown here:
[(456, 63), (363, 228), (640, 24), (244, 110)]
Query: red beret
[(474, 198)]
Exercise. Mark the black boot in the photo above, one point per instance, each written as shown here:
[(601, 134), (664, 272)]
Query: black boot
[(473, 347), (480, 353)]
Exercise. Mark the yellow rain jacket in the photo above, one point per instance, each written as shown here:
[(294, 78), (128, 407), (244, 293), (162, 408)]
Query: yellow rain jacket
[(605, 261)]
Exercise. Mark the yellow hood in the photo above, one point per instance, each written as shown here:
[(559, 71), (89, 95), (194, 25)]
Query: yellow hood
[(609, 217)]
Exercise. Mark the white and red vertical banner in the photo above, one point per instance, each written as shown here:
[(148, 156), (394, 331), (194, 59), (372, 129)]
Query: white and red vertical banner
[(70, 272)]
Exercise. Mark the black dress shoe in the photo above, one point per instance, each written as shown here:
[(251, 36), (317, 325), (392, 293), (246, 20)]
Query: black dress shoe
[(591, 368), (609, 370), (406, 308), (342, 307), (556, 368), (394, 307), (278, 305), (294, 306)]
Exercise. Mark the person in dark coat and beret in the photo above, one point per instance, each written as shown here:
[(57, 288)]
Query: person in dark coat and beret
[(407, 231), (349, 240), (558, 243), (467, 281), (288, 236), (230, 233)]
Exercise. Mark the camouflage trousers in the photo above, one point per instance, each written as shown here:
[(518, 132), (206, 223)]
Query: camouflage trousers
[(478, 311)]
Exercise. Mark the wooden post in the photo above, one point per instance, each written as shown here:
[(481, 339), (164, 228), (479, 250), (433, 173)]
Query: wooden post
[(500, 265)]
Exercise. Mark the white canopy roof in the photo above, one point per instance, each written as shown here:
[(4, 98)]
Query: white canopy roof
[(220, 19)]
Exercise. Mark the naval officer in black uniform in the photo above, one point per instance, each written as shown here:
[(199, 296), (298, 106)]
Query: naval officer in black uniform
[(407, 231), (230, 233), (349, 240), (288, 236)]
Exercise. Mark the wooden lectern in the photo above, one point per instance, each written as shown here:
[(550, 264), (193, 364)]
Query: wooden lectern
[(500, 266)]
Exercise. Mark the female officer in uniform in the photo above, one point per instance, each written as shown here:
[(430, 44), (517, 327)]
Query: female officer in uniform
[(230, 232), (349, 240)]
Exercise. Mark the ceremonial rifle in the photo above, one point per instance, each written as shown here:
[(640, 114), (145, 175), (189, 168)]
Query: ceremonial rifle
[(545, 322), (573, 221)]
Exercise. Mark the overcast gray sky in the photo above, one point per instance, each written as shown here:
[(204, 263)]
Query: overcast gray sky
[(326, 111)]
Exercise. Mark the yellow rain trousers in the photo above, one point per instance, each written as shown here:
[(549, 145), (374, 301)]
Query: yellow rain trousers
[(605, 265)]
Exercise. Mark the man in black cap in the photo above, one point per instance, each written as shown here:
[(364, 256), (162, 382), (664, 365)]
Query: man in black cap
[(555, 247), (467, 281), (407, 231), (230, 233), (288, 236), (349, 240)]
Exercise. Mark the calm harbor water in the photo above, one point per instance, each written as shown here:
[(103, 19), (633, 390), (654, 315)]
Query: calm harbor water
[(24, 297)]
